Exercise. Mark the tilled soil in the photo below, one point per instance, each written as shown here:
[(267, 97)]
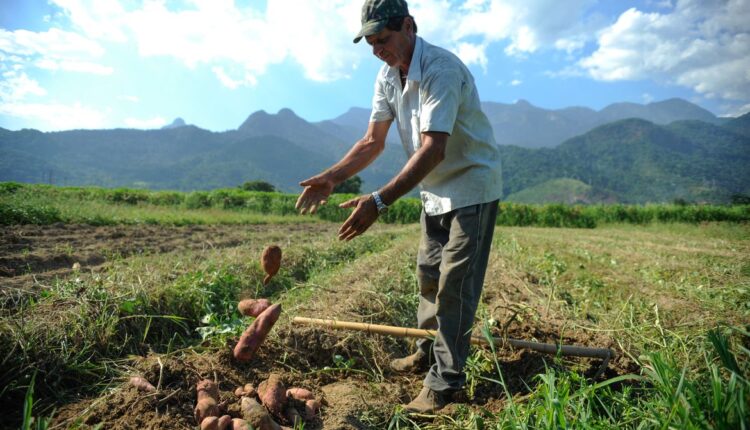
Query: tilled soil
[(359, 395), (31, 254)]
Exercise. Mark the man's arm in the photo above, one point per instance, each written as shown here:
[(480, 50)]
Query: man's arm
[(365, 151), (429, 155)]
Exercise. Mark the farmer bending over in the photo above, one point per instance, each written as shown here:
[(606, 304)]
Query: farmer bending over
[(452, 155)]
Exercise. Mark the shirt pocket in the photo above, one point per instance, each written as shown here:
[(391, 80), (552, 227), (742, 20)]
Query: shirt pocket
[(416, 135)]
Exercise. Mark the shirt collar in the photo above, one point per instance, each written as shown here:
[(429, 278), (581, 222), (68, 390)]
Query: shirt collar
[(415, 66)]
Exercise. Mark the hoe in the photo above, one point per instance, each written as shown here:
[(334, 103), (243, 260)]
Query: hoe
[(547, 348)]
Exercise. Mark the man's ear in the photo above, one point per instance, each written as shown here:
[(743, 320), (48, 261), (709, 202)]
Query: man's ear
[(409, 24)]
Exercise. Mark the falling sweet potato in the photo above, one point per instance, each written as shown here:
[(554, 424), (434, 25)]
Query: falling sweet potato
[(271, 261), (272, 394), (254, 335), (256, 415), (208, 401), (312, 407), (253, 307), (300, 393), (142, 384)]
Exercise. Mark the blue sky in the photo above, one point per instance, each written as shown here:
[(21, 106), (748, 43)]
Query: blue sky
[(68, 64)]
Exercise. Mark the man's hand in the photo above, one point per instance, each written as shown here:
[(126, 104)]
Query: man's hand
[(365, 213), (316, 192)]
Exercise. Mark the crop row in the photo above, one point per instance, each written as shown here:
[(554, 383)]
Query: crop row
[(405, 210)]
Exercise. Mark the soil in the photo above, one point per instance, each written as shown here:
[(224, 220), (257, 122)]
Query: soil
[(33, 254), (29, 255)]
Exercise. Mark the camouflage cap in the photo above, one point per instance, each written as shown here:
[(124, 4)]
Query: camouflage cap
[(375, 14)]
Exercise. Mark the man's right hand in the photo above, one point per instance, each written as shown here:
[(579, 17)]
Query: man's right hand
[(316, 192)]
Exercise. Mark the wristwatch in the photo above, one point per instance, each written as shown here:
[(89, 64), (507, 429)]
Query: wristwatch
[(382, 207)]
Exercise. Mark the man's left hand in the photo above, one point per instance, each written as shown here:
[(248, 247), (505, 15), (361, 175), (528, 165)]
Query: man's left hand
[(364, 215)]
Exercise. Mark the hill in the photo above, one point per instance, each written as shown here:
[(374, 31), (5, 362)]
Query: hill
[(561, 190)]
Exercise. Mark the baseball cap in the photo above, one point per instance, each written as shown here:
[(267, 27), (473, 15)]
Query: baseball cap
[(376, 13)]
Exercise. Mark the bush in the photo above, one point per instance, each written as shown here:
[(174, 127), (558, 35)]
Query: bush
[(198, 200), (128, 196), (258, 186), (167, 198), (18, 213), (352, 185), (9, 187)]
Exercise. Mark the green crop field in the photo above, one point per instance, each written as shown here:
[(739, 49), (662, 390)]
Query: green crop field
[(102, 285)]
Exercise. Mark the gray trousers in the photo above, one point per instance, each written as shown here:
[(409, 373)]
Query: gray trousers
[(451, 264)]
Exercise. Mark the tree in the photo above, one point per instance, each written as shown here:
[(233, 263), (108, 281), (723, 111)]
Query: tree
[(349, 186), (258, 186)]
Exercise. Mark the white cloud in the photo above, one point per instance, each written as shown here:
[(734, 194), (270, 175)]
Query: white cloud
[(516, 82), (74, 66), (131, 99), (471, 53), (15, 87), (54, 49), (56, 116), (704, 46), (735, 111), (54, 42), (151, 123), (232, 83)]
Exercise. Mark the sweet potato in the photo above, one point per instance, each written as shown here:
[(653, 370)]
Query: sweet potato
[(225, 422), (240, 424), (256, 415), (300, 393), (210, 423), (142, 384), (312, 407), (246, 390), (254, 335), (253, 307), (271, 261), (208, 401), (272, 394)]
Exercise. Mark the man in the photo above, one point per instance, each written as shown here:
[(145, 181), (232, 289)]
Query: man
[(454, 158)]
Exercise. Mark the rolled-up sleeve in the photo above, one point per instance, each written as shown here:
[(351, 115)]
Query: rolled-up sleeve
[(381, 109), (440, 94)]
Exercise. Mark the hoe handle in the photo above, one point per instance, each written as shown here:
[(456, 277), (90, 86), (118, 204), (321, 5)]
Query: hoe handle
[(547, 348)]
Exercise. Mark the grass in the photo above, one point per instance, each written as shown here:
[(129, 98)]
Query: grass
[(673, 300)]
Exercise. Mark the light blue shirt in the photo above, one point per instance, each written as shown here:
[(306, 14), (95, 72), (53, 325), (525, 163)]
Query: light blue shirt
[(440, 96)]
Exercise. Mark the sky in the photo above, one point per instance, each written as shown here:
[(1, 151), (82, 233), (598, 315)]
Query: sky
[(95, 64)]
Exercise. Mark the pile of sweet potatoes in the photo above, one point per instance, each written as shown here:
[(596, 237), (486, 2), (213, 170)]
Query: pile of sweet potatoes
[(262, 408)]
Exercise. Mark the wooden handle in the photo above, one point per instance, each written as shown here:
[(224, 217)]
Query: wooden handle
[(547, 348)]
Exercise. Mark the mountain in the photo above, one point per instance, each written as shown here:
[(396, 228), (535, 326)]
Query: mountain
[(178, 122), (629, 160), (639, 162), (526, 125), (740, 125)]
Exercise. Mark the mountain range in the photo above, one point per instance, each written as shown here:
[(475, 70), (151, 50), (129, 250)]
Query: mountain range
[(623, 153)]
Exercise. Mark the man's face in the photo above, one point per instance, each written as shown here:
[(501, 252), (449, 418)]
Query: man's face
[(392, 46)]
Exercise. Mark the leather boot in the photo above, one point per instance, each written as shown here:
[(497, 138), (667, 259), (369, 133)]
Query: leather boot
[(428, 402), (417, 362)]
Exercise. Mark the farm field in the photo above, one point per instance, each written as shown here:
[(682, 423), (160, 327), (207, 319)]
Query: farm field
[(85, 307)]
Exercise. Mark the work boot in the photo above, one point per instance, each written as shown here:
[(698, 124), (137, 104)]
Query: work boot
[(417, 362), (428, 402)]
